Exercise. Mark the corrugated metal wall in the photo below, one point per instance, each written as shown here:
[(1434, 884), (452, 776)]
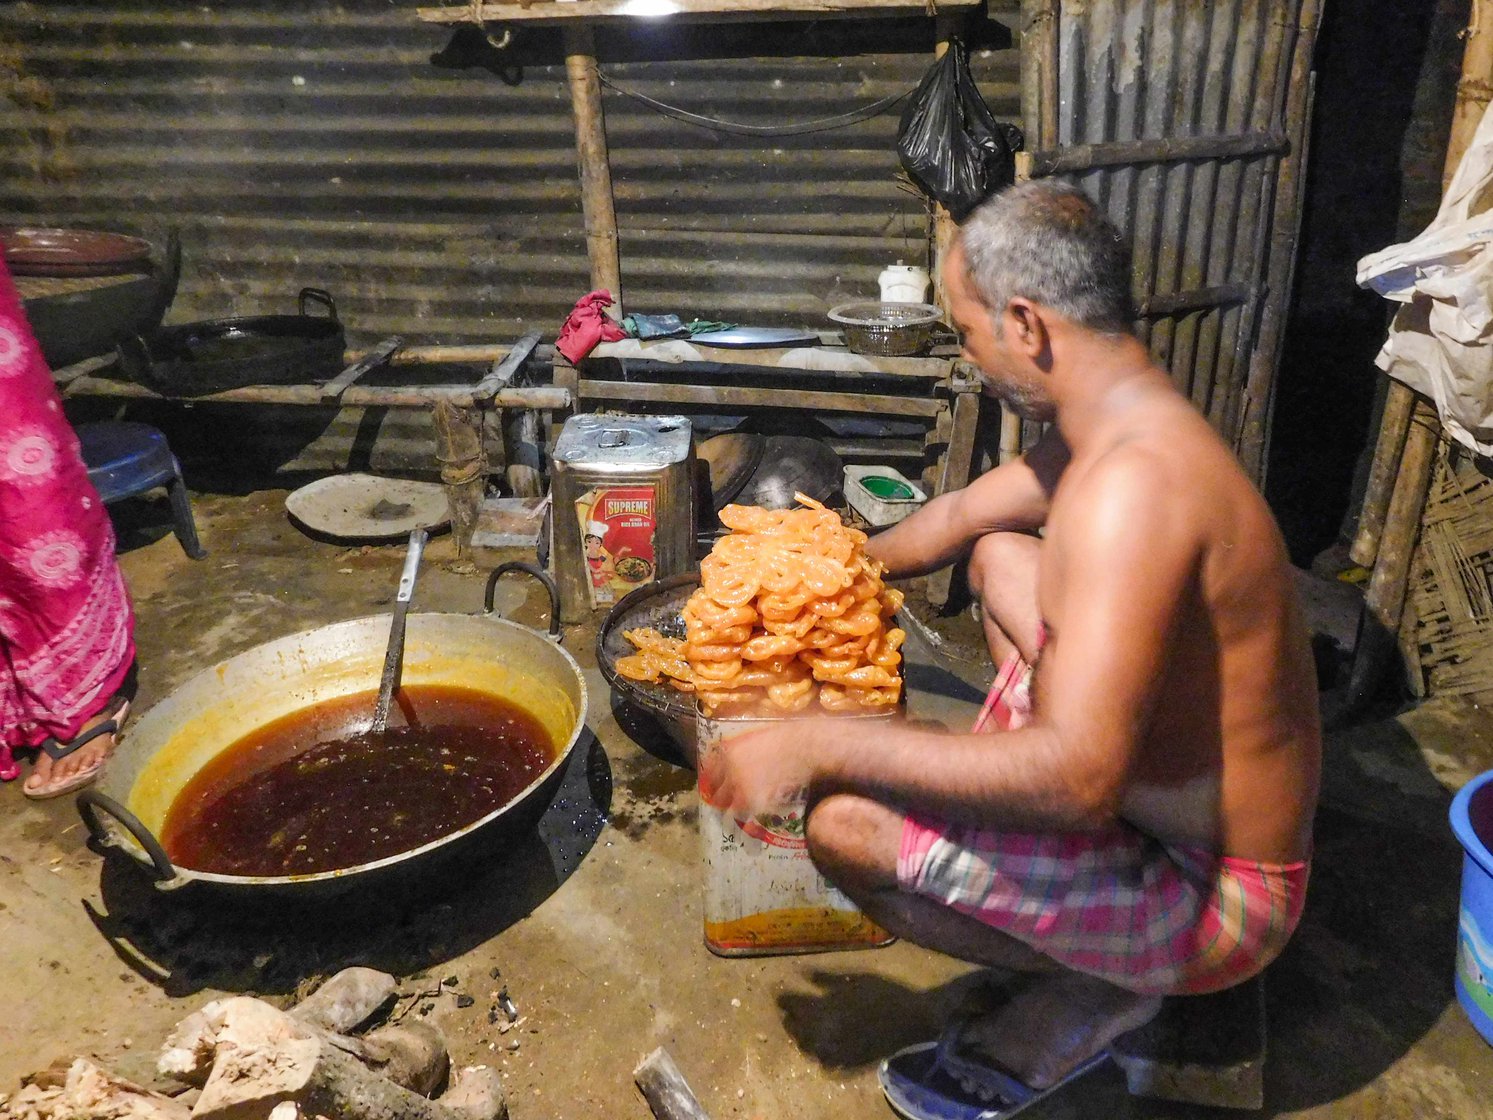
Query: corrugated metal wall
[(431, 186)]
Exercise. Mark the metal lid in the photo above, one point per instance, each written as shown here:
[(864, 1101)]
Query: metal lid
[(624, 442)]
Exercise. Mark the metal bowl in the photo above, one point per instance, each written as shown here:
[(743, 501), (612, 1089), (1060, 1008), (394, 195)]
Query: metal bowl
[(658, 605)]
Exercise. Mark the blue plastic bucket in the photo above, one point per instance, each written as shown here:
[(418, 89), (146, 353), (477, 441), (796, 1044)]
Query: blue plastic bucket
[(1472, 821)]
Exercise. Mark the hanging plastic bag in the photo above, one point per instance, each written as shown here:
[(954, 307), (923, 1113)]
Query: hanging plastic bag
[(950, 143)]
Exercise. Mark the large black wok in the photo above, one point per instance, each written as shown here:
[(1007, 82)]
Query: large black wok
[(72, 326), (191, 359), (158, 756)]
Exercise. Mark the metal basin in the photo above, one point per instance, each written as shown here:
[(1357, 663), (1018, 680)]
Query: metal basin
[(174, 740), (656, 606)]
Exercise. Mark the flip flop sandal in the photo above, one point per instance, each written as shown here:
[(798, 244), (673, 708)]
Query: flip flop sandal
[(57, 751), (931, 1081)]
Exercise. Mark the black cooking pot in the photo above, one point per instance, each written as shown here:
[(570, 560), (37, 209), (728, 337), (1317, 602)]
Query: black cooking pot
[(191, 359), (76, 325)]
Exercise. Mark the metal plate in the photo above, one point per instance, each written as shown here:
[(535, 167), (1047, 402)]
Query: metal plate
[(31, 251), (364, 507), (748, 337)]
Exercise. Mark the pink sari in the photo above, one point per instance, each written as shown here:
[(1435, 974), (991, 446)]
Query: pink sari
[(66, 627)]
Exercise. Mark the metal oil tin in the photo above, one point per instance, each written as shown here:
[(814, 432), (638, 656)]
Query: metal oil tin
[(763, 895), (623, 507)]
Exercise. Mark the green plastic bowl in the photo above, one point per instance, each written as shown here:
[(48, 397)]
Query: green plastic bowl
[(887, 489)]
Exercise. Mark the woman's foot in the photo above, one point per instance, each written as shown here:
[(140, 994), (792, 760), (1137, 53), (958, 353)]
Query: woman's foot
[(62, 767)]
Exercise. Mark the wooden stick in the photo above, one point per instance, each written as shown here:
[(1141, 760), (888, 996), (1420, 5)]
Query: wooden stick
[(875, 404), (86, 1091), (543, 397), (481, 353), (715, 11), (346, 1000), (1394, 425), (597, 204), (1195, 299), (458, 442), (1286, 228), (1127, 153), (1385, 600), (941, 237), (664, 1088), (262, 1056), (958, 461), (1475, 90), (376, 357), (504, 371)]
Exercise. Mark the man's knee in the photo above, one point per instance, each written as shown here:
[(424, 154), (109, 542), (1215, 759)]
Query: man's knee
[(855, 841), (1001, 558)]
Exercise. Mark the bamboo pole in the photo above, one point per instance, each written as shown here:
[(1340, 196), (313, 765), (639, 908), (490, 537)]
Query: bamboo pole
[(1394, 425), (1264, 364), (597, 206), (945, 229), (1384, 602), (1474, 91), (541, 397)]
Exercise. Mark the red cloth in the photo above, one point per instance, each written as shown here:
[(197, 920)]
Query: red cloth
[(66, 628), (587, 326)]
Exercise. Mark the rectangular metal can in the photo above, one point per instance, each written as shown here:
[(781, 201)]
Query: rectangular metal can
[(623, 511), (763, 895)]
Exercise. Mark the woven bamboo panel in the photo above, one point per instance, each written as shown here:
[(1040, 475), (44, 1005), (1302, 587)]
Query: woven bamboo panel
[(1451, 589)]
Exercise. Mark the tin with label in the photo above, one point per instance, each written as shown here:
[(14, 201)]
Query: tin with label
[(623, 507), (763, 895)]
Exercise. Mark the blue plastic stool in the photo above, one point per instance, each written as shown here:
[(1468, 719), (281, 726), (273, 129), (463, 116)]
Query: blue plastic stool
[(126, 459)]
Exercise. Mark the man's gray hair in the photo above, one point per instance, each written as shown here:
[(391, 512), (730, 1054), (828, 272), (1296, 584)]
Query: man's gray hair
[(1047, 241)]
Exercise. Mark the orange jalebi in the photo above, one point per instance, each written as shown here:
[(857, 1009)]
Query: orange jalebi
[(790, 611)]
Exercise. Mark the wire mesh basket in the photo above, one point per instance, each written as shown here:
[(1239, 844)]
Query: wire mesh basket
[(887, 329)]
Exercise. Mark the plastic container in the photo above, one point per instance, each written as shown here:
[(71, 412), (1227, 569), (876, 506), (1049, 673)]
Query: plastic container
[(882, 495), (1472, 821), (903, 283)]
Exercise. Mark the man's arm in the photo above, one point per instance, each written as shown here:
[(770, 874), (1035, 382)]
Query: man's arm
[(1014, 496), (1127, 560)]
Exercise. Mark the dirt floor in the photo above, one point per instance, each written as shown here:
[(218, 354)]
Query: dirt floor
[(594, 923)]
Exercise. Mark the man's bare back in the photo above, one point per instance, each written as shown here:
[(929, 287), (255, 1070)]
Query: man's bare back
[(1230, 754)]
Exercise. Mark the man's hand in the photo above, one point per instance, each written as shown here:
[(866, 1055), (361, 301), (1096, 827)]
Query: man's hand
[(761, 771)]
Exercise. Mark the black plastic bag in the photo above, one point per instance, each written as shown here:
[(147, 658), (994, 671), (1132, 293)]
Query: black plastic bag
[(950, 143)]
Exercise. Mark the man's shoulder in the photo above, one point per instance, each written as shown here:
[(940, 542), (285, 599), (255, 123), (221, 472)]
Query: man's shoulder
[(1131, 466)]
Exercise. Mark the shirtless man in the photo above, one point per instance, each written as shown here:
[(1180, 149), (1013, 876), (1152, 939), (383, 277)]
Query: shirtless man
[(1142, 824)]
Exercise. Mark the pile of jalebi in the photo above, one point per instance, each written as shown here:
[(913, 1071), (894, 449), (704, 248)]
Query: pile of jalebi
[(790, 610)]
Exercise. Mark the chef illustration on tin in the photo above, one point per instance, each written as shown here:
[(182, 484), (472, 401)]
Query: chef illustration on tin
[(599, 562)]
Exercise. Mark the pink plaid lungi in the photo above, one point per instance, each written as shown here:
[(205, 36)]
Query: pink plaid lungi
[(66, 628), (1117, 904)]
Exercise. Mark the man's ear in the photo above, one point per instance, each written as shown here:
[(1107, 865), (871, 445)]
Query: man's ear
[(1025, 330)]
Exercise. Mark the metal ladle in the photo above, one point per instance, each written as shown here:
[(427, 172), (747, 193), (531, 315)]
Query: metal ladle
[(394, 657)]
